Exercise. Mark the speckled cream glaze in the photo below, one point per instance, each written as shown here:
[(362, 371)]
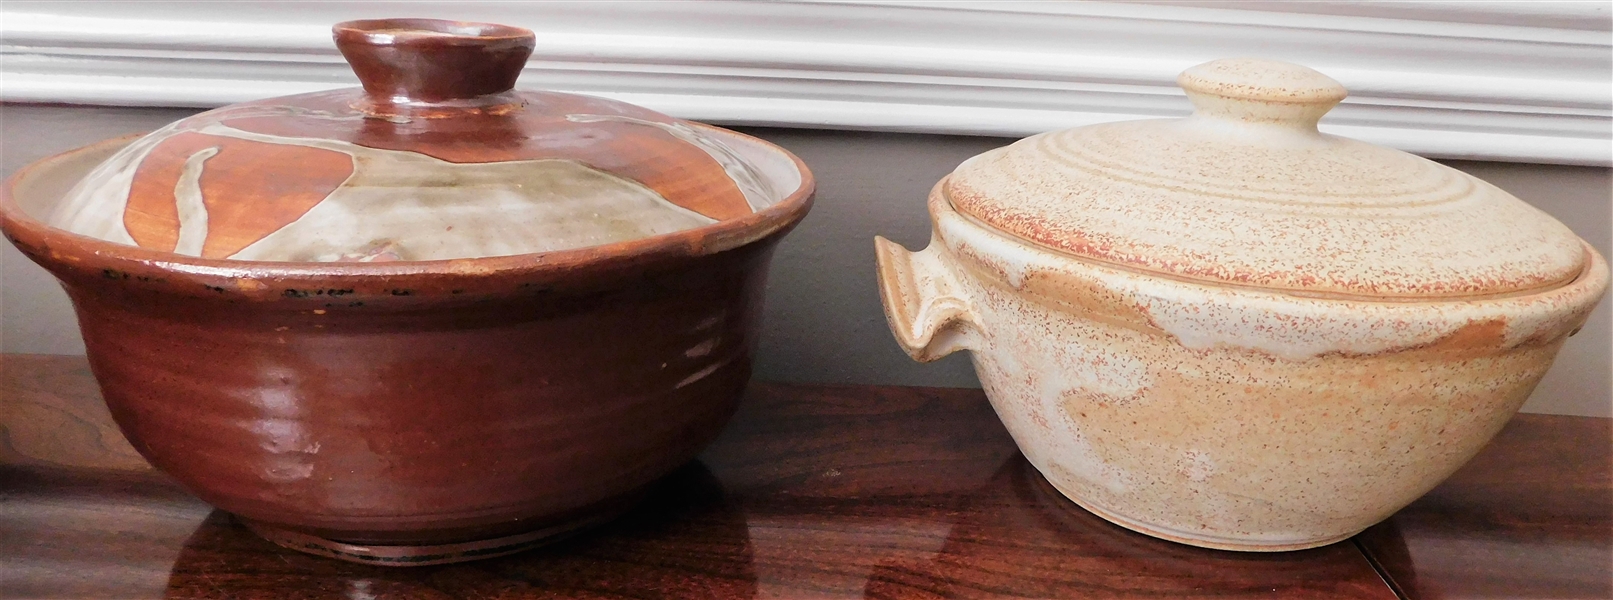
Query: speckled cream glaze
[(1217, 416), (1232, 331), (1247, 191)]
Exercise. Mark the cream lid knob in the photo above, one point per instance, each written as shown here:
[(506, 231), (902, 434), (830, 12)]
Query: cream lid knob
[(1254, 90)]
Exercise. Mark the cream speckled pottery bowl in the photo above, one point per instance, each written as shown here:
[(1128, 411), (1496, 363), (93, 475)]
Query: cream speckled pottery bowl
[(1231, 330)]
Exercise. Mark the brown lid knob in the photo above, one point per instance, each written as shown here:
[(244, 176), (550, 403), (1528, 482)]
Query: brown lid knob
[(424, 62)]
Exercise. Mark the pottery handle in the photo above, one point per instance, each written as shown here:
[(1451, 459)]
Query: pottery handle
[(923, 303)]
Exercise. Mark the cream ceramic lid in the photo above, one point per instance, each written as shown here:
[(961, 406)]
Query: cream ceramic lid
[(1246, 191)]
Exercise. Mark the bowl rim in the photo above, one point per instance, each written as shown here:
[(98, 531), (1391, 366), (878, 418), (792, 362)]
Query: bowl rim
[(64, 252), (1592, 275), (1202, 316)]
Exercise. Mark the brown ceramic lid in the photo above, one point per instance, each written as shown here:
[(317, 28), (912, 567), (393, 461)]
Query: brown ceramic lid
[(1246, 191), (436, 157)]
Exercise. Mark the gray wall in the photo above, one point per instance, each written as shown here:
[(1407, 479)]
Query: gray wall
[(824, 322)]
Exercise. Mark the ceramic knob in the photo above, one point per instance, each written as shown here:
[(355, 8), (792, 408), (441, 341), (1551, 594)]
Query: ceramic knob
[(425, 62), (1261, 91)]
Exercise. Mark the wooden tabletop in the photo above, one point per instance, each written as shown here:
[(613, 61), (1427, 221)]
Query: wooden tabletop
[(812, 492)]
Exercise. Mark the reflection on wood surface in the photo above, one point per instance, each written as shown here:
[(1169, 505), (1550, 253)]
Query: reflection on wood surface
[(812, 492)]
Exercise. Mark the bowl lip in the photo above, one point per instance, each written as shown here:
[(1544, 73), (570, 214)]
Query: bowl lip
[(58, 249), (1586, 287)]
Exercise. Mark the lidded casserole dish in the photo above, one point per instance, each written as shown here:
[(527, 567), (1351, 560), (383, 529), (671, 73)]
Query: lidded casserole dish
[(1232, 330), (428, 320)]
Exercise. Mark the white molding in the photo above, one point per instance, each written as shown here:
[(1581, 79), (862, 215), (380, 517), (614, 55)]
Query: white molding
[(1512, 81)]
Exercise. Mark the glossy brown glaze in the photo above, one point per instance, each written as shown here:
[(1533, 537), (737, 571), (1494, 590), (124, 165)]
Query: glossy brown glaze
[(427, 61), (421, 414), (436, 157), (1530, 517), (409, 412), (813, 492)]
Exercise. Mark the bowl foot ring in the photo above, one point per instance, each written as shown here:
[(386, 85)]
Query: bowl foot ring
[(417, 555), (1214, 543)]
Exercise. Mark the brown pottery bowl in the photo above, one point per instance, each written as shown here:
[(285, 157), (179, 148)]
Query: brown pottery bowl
[(419, 411)]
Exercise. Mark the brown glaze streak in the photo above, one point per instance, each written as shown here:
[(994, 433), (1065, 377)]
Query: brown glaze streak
[(680, 172), (80, 260), (435, 88), (151, 216), (282, 181)]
